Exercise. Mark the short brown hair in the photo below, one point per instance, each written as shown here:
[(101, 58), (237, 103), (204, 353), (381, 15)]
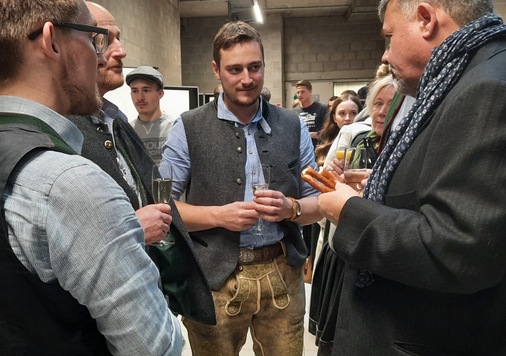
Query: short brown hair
[(19, 19), (304, 83), (233, 33)]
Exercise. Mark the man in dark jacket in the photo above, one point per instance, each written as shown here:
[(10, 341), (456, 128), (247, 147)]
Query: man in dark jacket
[(425, 251)]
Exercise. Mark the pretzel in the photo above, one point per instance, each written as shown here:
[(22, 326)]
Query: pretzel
[(331, 177), (324, 182)]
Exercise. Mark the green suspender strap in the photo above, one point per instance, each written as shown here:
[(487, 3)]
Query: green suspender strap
[(21, 134), (44, 136)]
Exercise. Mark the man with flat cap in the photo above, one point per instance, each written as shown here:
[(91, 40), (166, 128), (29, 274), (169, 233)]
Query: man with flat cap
[(152, 124)]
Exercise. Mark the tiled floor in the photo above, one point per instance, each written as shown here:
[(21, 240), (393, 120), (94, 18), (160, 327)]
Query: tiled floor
[(309, 346)]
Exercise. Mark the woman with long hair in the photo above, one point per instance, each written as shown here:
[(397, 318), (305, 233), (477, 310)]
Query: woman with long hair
[(343, 112)]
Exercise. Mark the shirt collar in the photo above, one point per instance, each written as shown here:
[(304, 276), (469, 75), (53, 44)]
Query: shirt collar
[(225, 114), (64, 127)]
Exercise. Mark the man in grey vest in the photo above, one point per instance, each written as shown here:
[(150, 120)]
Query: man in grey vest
[(256, 278)]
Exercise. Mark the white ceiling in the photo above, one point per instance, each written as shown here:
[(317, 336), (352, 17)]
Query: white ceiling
[(352, 10)]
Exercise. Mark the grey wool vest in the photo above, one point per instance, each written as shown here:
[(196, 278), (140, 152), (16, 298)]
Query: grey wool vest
[(218, 156)]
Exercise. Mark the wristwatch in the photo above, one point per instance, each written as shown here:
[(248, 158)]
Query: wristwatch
[(296, 209)]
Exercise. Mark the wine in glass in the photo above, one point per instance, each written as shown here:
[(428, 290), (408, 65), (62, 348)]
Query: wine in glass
[(355, 167), (343, 142), (162, 188), (260, 179)]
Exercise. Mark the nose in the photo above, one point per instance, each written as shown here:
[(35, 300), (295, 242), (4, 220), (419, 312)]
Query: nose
[(116, 49), (384, 109), (384, 57), (246, 78)]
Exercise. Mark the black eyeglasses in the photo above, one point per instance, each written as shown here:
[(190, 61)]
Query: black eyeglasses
[(99, 37)]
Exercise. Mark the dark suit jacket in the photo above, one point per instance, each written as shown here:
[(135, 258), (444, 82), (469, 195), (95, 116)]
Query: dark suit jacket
[(438, 246), (98, 147)]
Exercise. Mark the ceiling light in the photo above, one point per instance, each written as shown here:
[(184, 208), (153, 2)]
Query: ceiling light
[(256, 11)]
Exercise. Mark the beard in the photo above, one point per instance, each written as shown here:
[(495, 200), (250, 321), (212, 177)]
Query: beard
[(109, 80), (84, 99), (242, 100), (403, 86)]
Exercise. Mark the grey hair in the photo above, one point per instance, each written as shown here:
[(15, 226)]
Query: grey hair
[(462, 12), (375, 87)]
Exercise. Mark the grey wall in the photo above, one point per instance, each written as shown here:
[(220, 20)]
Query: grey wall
[(150, 32)]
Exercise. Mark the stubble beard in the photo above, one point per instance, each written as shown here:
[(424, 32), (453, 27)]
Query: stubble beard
[(403, 87), (108, 81), (83, 101), (244, 101)]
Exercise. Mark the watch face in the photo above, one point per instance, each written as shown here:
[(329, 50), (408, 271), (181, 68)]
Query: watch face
[(298, 211)]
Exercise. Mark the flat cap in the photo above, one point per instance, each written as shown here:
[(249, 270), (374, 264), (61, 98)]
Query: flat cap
[(147, 73)]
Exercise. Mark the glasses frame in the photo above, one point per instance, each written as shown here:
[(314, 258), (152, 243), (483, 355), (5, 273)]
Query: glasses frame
[(79, 27)]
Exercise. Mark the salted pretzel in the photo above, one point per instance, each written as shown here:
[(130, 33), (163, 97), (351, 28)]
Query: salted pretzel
[(323, 181)]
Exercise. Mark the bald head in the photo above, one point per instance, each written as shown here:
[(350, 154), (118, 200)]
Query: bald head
[(110, 76), (101, 14)]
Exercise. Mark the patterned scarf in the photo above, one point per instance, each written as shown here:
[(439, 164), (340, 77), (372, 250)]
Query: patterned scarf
[(446, 65)]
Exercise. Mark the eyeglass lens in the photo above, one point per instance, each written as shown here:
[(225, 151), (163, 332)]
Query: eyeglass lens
[(100, 42)]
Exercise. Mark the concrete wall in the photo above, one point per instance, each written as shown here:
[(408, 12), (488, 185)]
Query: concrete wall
[(150, 31), (197, 36), (330, 50)]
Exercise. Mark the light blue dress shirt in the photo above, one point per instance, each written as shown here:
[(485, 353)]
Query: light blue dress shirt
[(175, 151), (70, 223)]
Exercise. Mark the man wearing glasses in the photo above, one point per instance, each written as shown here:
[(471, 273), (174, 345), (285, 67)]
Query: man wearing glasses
[(73, 273)]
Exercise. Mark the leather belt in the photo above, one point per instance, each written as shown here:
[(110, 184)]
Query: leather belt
[(248, 256)]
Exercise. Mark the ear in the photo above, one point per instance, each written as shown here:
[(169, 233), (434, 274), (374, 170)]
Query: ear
[(427, 20), (216, 70), (49, 43), (161, 93)]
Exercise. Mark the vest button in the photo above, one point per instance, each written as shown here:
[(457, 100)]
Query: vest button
[(108, 144), (239, 149), (238, 135), (238, 181)]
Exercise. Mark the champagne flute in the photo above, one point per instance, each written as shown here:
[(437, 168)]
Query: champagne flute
[(162, 188), (260, 179), (343, 142), (355, 167)]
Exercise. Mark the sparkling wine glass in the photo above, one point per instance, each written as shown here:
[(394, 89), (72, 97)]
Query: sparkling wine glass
[(260, 179), (162, 188)]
